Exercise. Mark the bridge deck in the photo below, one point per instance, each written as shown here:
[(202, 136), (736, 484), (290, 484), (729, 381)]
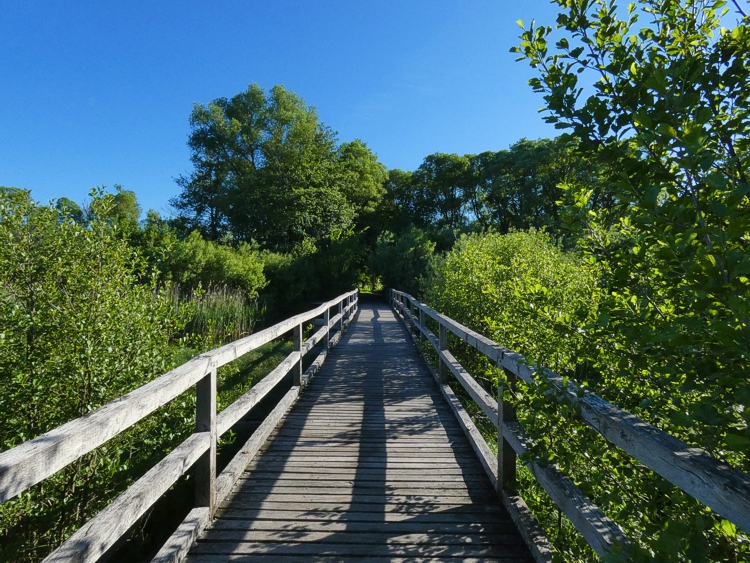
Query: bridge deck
[(370, 464)]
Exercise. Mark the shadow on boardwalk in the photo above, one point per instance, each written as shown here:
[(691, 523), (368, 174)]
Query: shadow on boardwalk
[(369, 465)]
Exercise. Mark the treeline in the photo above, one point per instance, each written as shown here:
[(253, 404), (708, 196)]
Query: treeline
[(616, 254)]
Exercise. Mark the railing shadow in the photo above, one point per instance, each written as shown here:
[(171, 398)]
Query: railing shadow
[(371, 500)]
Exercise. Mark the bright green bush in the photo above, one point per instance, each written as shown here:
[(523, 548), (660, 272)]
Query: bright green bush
[(521, 290), (77, 329), (196, 261)]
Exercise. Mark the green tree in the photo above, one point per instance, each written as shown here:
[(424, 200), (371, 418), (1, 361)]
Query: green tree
[(266, 169), (669, 111), (401, 261), (441, 184)]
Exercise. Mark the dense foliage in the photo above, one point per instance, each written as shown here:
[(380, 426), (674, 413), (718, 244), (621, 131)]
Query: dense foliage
[(267, 170), (616, 254), (76, 331)]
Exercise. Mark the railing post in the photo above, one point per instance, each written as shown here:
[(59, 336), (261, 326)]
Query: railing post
[(205, 421), (341, 316), (327, 321), (297, 369), (506, 455), (421, 324), (442, 345)]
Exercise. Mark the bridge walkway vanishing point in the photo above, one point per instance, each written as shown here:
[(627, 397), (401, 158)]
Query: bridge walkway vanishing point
[(370, 464)]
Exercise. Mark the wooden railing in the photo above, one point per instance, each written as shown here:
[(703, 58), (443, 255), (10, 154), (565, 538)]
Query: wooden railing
[(37, 459), (719, 486)]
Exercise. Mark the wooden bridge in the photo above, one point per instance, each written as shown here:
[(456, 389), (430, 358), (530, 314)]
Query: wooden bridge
[(370, 455)]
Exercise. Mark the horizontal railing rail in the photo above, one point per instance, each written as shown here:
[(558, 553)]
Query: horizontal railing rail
[(31, 462), (717, 485)]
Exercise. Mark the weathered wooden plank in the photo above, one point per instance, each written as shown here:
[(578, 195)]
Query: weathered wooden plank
[(721, 487), (179, 543), (234, 412), (480, 396), (601, 533), (205, 421), (234, 350), (234, 469), (269, 558), (358, 550), (467, 527), (458, 517), (100, 533), (348, 536), (361, 487), (31, 462), (314, 367), (27, 464), (528, 526)]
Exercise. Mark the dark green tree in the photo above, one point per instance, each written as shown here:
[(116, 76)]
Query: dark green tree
[(266, 169)]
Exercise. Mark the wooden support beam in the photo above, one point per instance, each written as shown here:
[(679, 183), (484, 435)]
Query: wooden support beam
[(443, 368), (297, 369), (506, 455), (205, 422)]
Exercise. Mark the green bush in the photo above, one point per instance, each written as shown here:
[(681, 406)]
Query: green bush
[(521, 290), (77, 329)]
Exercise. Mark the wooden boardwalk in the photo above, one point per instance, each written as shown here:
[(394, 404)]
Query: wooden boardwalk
[(369, 465)]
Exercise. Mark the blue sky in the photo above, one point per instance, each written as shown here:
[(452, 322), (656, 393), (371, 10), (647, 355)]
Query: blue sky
[(99, 93)]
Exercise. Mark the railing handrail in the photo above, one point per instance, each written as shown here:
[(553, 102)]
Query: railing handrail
[(33, 461), (714, 483)]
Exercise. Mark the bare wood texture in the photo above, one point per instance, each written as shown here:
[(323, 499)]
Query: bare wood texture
[(601, 533), (480, 396), (100, 533), (369, 462), (31, 462), (234, 469), (205, 422), (716, 484), (506, 455), (234, 412), (177, 546), (37, 459)]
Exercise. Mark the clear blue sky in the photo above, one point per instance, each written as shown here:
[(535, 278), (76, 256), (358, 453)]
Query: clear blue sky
[(99, 93)]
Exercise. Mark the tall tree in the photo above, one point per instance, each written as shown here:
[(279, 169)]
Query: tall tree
[(267, 169), (670, 110)]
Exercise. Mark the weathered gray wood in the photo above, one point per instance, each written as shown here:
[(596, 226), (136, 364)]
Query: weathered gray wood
[(442, 349), (234, 412), (601, 533), (177, 546), (483, 399), (205, 422), (719, 486), (355, 450), (31, 462), (314, 367), (27, 464), (327, 324), (527, 524), (297, 369), (310, 343), (234, 350), (532, 533), (506, 455), (239, 462), (100, 533)]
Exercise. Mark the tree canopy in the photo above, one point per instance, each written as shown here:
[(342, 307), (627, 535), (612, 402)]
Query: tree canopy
[(267, 169)]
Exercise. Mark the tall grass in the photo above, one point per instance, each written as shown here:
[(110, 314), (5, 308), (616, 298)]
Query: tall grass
[(218, 314)]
